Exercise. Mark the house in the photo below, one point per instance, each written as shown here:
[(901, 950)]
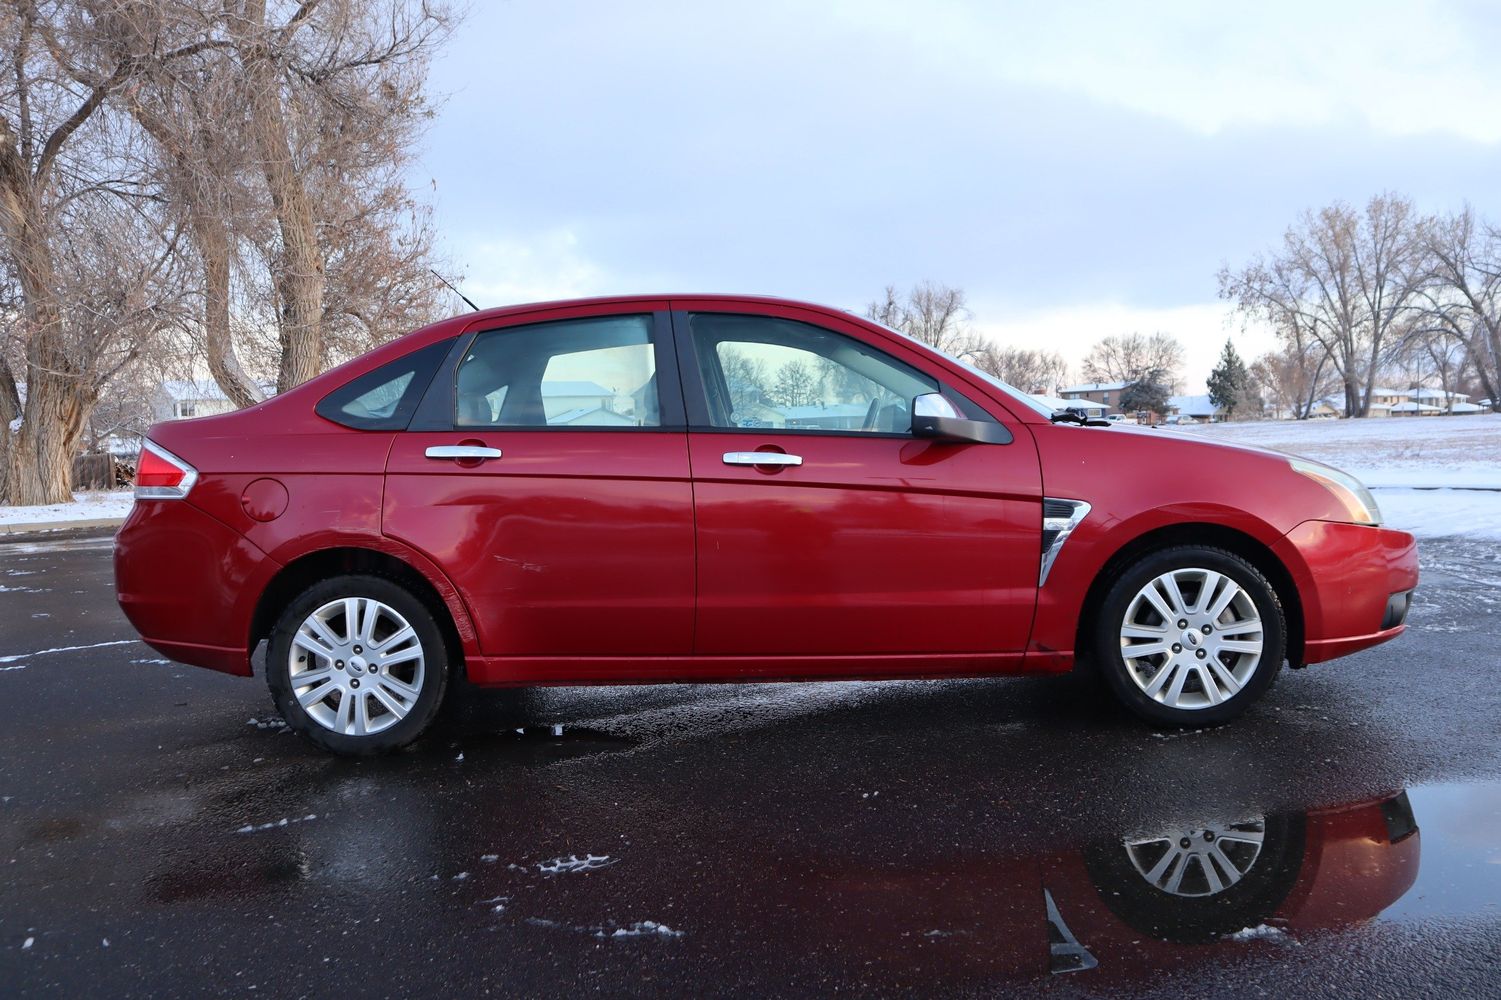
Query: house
[(841, 417), (559, 398), (1106, 393), (1449, 402), (1089, 406), (1193, 409), (181, 399)]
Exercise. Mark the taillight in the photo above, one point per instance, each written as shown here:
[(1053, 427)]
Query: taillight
[(161, 475)]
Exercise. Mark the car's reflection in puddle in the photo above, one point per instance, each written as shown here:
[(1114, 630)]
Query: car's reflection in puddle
[(1128, 904)]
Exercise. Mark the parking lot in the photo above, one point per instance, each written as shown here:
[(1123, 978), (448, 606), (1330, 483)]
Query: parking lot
[(163, 835)]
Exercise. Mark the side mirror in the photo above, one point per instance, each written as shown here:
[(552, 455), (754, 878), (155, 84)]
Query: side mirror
[(937, 419)]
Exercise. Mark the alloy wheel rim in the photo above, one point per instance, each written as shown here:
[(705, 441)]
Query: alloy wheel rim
[(1198, 862), (1191, 639), (356, 666)]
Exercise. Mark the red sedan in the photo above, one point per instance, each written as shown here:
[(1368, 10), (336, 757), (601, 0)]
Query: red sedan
[(713, 488)]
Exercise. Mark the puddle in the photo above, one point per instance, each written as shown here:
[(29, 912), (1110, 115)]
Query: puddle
[(1459, 874)]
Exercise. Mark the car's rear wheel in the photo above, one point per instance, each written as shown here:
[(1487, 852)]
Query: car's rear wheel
[(1189, 636), (357, 665)]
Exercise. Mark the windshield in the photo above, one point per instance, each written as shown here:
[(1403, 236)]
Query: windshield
[(1009, 390)]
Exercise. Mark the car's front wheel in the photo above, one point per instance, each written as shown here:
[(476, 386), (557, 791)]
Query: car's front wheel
[(357, 665), (1189, 636)]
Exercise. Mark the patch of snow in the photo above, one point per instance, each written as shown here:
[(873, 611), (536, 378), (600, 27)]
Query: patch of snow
[(86, 506), (489, 859), (276, 824), (26, 945), (1261, 932), (12, 658), (574, 863), (639, 929)]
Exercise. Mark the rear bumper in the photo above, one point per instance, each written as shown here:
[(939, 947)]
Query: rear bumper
[(181, 578), (1347, 577)]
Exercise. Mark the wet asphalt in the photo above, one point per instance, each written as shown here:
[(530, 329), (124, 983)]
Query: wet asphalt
[(162, 834)]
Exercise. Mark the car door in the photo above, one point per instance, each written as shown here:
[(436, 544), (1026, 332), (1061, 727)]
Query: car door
[(870, 542), (546, 471)]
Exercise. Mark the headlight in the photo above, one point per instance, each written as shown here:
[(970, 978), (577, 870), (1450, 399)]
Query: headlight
[(1350, 491)]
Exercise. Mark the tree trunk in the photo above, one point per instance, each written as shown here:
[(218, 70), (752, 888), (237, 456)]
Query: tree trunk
[(223, 364), (41, 461), (39, 464), (300, 271)]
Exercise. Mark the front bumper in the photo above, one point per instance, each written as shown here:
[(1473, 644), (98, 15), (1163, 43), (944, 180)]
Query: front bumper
[(1355, 583)]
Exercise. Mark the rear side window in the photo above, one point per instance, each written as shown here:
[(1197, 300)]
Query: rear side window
[(384, 399)]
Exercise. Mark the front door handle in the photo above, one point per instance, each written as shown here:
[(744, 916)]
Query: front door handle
[(761, 458), (462, 451)]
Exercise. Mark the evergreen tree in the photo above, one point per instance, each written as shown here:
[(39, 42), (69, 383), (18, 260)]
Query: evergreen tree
[(1229, 382)]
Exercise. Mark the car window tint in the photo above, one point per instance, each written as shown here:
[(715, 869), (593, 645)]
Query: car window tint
[(760, 371), (596, 372), (384, 399)]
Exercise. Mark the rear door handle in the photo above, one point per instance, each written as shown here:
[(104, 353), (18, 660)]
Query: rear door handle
[(470, 451), (761, 458)]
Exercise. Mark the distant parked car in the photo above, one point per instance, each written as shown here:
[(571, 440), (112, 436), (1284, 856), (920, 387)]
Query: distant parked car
[(443, 505), (1116, 418)]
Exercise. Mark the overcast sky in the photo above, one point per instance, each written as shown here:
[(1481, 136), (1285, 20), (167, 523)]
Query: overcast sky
[(1077, 169)]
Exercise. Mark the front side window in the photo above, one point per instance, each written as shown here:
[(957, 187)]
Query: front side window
[(763, 372), (596, 372)]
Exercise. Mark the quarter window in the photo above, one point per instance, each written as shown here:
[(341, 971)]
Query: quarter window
[(596, 372), (383, 400), (760, 371)]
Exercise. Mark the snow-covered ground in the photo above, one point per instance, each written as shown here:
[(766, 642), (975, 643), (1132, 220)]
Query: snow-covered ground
[(85, 507), (1433, 476)]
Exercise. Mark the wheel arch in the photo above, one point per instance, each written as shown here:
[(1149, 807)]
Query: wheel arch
[(1218, 536), (322, 564)]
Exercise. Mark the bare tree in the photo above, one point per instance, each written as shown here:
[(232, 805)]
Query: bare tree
[(1040, 371), (80, 225), (1462, 300), (1295, 376), (932, 314), (1345, 279), (795, 385), (335, 96), (1130, 357)]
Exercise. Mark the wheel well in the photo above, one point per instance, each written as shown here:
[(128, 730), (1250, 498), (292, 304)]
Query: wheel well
[(1216, 536), (302, 573)]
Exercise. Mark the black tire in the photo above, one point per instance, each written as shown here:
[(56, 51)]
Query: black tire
[(431, 689), (1105, 641), (1150, 910)]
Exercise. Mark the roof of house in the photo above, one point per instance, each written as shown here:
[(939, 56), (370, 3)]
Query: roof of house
[(1094, 387), (181, 390), (574, 389), (1416, 408)]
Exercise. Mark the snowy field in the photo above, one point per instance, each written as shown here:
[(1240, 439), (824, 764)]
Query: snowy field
[(1433, 476)]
